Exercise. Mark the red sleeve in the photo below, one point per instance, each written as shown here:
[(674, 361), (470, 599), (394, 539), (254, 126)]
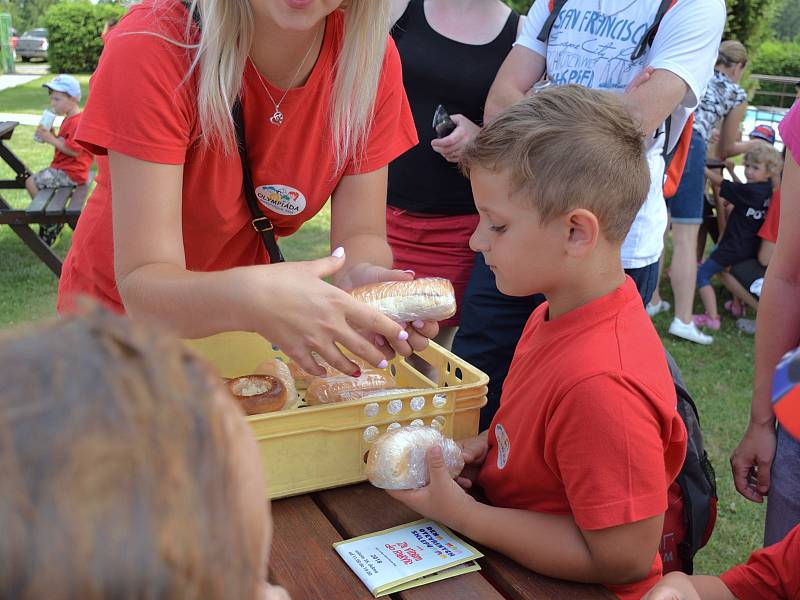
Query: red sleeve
[(769, 230), (393, 130), (617, 447), (773, 572), (140, 103)]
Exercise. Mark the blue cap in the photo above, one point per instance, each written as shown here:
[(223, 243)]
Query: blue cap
[(65, 83)]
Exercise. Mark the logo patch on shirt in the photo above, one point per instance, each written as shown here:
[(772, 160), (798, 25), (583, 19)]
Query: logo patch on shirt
[(281, 199), (503, 445)]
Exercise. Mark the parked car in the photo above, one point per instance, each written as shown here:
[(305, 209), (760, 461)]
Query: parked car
[(33, 44)]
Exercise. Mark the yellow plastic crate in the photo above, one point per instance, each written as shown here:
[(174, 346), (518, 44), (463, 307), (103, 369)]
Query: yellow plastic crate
[(317, 447)]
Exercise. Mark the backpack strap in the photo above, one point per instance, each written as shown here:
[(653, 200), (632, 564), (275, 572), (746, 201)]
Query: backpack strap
[(555, 8), (650, 34), (260, 222)]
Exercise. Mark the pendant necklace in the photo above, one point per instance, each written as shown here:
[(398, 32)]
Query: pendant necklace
[(277, 117)]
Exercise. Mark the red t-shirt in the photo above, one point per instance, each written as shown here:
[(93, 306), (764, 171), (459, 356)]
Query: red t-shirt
[(769, 574), (76, 167), (769, 229), (587, 423), (141, 106)]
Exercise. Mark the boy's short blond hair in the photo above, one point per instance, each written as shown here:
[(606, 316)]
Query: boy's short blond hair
[(765, 154), (569, 147)]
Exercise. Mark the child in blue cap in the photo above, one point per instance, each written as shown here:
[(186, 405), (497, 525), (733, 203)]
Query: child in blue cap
[(71, 162)]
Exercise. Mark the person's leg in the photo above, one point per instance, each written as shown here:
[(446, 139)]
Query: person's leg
[(689, 331), (783, 501), (737, 289), (30, 185), (491, 325), (709, 298), (657, 304), (683, 270), (711, 317), (646, 280)]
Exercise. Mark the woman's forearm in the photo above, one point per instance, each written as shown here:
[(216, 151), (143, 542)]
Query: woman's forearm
[(190, 304), (359, 249)]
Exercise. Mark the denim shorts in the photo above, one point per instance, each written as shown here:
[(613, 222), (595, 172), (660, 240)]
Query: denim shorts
[(686, 206), (783, 502), (706, 271)]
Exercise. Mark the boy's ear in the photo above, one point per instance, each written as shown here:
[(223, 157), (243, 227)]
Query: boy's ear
[(584, 232)]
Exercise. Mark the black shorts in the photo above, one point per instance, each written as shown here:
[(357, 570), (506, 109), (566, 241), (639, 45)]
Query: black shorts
[(747, 271)]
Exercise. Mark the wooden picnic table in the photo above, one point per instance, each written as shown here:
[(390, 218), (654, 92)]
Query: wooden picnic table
[(304, 562), (57, 205)]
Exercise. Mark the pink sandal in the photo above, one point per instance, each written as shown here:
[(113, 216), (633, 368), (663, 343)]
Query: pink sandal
[(736, 308)]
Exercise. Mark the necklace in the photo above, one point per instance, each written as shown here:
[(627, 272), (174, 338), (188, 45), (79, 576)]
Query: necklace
[(623, 9), (277, 117)]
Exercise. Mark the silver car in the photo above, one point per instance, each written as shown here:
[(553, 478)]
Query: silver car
[(33, 44)]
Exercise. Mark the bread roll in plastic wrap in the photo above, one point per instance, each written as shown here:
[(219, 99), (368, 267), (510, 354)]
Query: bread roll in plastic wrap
[(397, 458), (302, 377), (278, 368), (326, 390), (425, 299)]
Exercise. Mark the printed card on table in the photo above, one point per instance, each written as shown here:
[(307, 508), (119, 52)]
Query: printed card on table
[(407, 556)]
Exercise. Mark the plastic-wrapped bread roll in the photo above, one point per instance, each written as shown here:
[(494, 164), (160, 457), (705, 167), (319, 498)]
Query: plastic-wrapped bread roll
[(303, 378), (397, 458), (326, 390), (425, 299), (278, 368)]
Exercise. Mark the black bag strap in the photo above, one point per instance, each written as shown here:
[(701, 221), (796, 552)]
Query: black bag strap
[(260, 222), (650, 34), (544, 34)]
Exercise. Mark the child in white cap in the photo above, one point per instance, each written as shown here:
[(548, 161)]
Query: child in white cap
[(71, 162)]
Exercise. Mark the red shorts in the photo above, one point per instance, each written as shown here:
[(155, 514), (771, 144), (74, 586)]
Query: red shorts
[(433, 246)]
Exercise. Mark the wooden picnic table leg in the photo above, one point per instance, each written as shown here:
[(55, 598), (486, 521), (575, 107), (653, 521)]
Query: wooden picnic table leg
[(39, 248), (21, 171)]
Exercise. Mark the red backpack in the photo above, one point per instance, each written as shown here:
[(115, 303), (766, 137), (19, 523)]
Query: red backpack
[(675, 157), (692, 497)]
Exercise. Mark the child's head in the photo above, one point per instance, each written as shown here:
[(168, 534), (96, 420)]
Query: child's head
[(762, 162), (127, 470), (65, 93), (556, 178)]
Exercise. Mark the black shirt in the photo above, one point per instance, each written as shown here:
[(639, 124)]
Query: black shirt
[(438, 70), (740, 241)]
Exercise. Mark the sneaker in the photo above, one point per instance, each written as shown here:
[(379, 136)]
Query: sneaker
[(689, 331), (659, 307), (748, 326), (49, 233), (706, 321)]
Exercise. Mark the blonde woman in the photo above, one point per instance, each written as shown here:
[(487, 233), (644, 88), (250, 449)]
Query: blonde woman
[(171, 236)]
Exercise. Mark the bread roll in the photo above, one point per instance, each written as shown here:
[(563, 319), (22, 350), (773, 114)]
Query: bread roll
[(259, 393), (278, 368), (426, 299), (303, 378), (326, 390), (397, 458)]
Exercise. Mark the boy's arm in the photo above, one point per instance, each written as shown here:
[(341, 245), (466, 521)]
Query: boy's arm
[(61, 145), (613, 555), (714, 177)]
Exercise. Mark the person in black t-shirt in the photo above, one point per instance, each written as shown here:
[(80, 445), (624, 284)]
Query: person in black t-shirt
[(740, 240)]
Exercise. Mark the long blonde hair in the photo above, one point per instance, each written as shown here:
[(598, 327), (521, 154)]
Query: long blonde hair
[(222, 54)]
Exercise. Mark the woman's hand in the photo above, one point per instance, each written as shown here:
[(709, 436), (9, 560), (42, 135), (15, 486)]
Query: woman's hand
[(442, 500), (451, 146), (751, 462), (364, 273), (474, 451), (290, 305)]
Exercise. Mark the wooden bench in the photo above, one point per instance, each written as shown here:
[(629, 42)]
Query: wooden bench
[(59, 205)]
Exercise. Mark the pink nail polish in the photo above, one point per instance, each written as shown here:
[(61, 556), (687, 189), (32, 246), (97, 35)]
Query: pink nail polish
[(403, 336), (418, 324), (413, 274), (338, 253), (383, 364)]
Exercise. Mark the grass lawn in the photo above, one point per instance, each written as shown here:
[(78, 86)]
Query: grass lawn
[(719, 376), (31, 97)]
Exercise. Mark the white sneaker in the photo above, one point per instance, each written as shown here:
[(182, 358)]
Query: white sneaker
[(689, 331), (659, 307)]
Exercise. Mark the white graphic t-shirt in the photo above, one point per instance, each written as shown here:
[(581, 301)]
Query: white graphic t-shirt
[(591, 44)]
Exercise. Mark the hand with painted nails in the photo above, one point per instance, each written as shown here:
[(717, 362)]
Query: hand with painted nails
[(293, 307)]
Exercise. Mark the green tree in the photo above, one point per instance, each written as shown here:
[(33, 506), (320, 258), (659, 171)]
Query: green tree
[(74, 29), (521, 6), (786, 23), (28, 14)]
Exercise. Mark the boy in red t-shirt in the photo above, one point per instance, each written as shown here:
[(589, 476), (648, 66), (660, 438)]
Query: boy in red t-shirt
[(71, 161), (577, 461)]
